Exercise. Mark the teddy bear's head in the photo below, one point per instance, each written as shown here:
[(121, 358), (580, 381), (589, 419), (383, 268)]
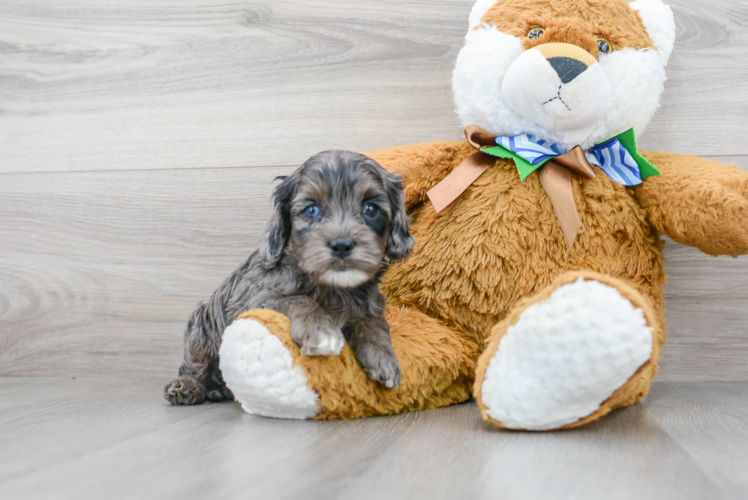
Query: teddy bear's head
[(574, 72)]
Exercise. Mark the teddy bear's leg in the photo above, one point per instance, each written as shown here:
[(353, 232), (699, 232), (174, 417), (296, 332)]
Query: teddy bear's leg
[(585, 345), (265, 369)]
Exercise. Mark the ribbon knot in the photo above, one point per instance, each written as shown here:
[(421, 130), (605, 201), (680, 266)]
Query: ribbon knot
[(618, 158)]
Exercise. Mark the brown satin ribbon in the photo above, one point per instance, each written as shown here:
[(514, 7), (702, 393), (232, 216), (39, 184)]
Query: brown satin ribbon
[(554, 176), (453, 185)]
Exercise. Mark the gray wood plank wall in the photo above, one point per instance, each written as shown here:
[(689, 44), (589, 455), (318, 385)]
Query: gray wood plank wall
[(139, 140)]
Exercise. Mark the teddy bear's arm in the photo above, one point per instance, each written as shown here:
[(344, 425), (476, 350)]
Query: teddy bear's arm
[(422, 166), (698, 202)]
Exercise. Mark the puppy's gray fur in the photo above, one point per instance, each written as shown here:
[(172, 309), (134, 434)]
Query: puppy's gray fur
[(297, 272)]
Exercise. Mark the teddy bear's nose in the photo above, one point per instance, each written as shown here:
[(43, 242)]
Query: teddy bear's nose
[(567, 68), (568, 60)]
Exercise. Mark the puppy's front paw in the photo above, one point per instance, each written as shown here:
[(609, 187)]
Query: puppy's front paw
[(381, 365), (321, 340)]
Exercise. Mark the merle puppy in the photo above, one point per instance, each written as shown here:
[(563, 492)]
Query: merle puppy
[(339, 219)]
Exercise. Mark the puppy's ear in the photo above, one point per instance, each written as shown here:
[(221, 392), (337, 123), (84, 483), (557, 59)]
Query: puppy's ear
[(278, 230), (399, 240)]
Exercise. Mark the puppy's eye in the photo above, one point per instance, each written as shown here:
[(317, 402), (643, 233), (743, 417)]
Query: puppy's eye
[(312, 211), (371, 210), (603, 46), (535, 33)]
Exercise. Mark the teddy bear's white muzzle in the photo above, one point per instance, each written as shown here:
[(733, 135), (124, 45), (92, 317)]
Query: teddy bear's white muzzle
[(556, 92)]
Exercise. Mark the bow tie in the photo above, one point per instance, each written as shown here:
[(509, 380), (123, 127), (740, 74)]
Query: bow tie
[(617, 157), (622, 164)]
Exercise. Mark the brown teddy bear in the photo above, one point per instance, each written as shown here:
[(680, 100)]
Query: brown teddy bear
[(536, 283)]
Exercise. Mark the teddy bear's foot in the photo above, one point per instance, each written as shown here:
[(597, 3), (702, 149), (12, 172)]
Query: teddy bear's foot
[(261, 371), (569, 355), (269, 374)]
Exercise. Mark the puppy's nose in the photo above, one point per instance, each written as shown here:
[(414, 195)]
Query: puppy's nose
[(341, 247)]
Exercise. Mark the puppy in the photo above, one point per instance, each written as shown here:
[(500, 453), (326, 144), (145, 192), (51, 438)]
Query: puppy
[(339, 219)]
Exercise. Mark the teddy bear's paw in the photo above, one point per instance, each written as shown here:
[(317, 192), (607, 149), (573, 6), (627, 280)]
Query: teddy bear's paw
[(565, 356), (260, 371)]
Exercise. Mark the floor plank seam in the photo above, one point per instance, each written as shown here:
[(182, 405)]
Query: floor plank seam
[(694, 461), (140, 170)]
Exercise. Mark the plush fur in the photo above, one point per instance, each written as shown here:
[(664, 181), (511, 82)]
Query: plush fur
[(250, 357), (498, 249), (626, 394), (633, 73), (568, 357)]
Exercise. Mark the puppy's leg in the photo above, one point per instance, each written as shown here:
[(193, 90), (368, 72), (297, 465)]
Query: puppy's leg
[(370, 340), (311, 327), (199, 376), (314, 330), (185, 390)]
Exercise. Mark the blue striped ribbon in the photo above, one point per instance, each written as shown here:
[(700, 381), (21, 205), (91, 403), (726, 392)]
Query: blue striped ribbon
[(611, 157)]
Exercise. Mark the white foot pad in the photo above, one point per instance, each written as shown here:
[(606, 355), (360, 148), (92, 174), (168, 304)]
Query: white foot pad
[(565, 356), (259, 370)]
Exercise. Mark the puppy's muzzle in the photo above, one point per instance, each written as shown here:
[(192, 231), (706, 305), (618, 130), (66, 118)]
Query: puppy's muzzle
[(341, 247)]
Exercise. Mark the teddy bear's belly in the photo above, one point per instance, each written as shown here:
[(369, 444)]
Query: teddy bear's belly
[(501, 241)]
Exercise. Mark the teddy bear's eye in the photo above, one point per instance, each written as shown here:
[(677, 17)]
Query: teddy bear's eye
[(603, 46), (535, 33)]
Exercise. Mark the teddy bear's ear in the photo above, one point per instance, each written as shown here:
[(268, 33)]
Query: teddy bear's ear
[(479, 10), (660, 24)]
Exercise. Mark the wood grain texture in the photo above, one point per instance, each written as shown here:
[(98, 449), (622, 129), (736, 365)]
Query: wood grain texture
[(153, 84), (709, 422), (99, 272), (116, 438), (100, 268)]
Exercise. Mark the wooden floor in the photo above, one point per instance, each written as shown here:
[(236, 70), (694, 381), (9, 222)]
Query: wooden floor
[(116, 438), (138, 144)]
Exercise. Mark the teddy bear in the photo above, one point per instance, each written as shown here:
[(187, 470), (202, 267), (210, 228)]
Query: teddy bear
[(536, 282)]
